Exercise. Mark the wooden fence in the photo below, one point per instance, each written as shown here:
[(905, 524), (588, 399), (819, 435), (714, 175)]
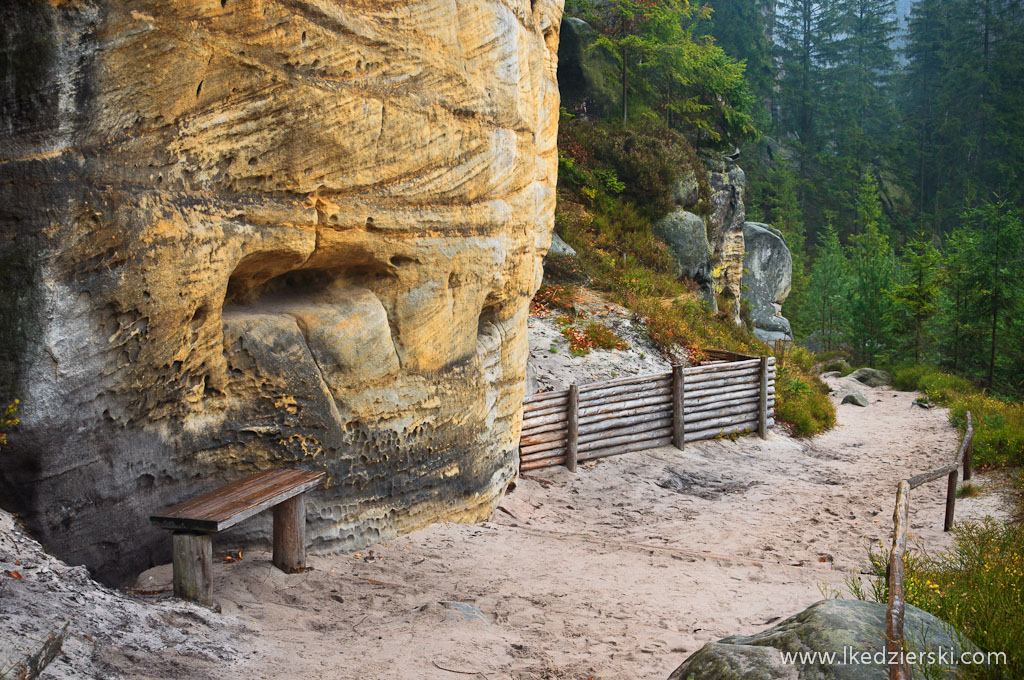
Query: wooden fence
[(895, 644), (731, 394)]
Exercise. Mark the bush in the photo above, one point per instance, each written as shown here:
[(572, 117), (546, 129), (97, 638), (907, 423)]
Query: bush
[(802, 401), (978, 588)]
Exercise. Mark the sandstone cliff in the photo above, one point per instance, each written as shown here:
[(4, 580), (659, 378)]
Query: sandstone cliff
[(241, 234)]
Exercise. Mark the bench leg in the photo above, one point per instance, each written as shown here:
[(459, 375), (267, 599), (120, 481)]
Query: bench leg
[(290, 535), (193, 567)]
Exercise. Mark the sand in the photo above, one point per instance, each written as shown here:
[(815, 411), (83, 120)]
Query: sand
[(619, 571)]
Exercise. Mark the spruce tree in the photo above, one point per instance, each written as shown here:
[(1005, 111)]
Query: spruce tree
[(828, 288), (873, 268), (916, 293)]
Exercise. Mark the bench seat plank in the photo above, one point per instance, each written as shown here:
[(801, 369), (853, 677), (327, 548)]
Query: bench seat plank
[(229, 505)]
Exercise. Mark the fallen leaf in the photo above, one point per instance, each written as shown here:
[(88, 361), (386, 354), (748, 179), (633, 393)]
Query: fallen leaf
[(14, 574)]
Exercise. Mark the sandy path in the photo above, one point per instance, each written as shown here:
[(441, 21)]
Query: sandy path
[(619, 571)]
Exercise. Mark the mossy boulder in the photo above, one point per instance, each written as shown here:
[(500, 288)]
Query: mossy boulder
[(871, 377), (851, 627)]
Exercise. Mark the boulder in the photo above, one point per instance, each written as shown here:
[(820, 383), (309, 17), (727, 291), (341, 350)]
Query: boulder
[(587, 72), (560, 248), (854, 397), (850, 627), (687, 239), (767, 279), (247, 235), (871, 377)]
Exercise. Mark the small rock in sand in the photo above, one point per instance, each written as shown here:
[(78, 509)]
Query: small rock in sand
[(856, 398)]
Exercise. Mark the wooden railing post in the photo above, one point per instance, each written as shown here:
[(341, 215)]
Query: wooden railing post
[(969, 453), (573, 435), (762, 408), (950, 500), (897, 599), (678, 413)]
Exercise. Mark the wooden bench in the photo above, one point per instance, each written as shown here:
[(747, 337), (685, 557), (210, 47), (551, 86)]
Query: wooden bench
[(194, 522)]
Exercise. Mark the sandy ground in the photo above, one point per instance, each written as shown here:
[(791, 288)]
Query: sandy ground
[(618, 571)]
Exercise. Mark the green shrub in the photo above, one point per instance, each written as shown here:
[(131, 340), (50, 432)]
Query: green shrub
[(802, 401), (978, 588)]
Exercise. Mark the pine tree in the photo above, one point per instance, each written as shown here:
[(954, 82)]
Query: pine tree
[(873, 267), (828, 288), (916, 293), (995, 273)]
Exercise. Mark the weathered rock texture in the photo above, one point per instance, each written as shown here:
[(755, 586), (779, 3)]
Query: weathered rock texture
[(767, 280), (828, 627), (713, 259), (243, 234)]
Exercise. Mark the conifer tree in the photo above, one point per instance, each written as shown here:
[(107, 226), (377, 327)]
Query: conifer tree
[(827, 291), (873, 268), (915, 294)]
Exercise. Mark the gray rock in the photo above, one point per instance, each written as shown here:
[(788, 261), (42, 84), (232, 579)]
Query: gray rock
[(771, 337), (687, 240), (767, 279), (852, 627), (586, 72), (871, 377), (560, 247), (856, 398), (686, 191)]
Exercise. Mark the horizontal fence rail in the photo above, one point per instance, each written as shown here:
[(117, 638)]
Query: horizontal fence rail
[(731, 394), (895, 644)]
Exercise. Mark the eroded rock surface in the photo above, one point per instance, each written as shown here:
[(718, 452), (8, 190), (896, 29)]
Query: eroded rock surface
[(239, 235), (767, 280)]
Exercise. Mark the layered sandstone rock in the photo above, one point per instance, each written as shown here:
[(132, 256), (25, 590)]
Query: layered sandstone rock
[(245, 234)]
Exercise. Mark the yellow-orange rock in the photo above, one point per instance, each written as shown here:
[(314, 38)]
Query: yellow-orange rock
[(250, 233)]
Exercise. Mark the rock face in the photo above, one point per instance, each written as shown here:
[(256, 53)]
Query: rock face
[(239, 235), (725, 231), (583, 72), (687, 238), (709, 249), (829, 626), (767, 279)]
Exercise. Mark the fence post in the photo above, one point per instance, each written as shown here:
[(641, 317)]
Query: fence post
[(762, 408), (898, 667), (950, 500), (678, 413), (969, 453), (573, 417)]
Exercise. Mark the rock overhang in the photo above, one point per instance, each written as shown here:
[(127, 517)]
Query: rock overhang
[(275, 235)]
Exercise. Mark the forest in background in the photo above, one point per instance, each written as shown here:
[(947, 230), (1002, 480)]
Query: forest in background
[(887, 151)]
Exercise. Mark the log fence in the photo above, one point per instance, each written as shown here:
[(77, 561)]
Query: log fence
[(731, 394), (899, 669)]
